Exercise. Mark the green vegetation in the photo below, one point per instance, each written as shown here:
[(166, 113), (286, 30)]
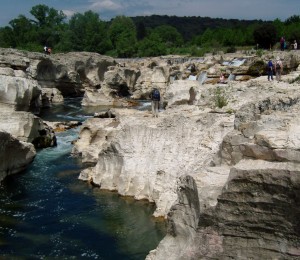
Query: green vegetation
[(220, 98), (296, 80), (143, 36)]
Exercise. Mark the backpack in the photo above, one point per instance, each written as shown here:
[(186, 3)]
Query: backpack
[(156, 95), (277, 66)]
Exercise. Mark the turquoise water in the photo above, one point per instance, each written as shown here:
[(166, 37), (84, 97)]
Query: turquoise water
[(47, 213)]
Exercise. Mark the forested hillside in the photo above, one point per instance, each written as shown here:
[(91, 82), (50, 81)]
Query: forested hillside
[(190, 27), (142, 36)]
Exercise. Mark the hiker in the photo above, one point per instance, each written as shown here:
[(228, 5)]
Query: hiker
[(155, 97), (52, 96), (270, 70), (193, 68), (282, 43), (45, 49), (278, 68)]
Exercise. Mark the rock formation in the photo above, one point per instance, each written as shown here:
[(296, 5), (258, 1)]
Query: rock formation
[(15, 155), (221, 162), (239, 157)]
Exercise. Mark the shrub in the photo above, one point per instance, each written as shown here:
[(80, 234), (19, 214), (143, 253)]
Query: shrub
[(231, 49), (220, 98)]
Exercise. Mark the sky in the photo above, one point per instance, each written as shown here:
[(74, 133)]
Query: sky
[(107, 9)]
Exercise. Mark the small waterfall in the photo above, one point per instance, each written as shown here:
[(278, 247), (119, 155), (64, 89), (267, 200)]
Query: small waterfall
[(192, 77), (202, 77), (234, 62), (231, 77)]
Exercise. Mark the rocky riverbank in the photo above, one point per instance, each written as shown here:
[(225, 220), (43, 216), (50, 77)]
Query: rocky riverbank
[(221, 162)]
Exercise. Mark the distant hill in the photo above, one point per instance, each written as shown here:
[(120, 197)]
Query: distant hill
[(190, 26)]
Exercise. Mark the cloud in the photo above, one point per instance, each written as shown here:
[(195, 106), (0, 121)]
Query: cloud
[(106, 5), (68, 13)]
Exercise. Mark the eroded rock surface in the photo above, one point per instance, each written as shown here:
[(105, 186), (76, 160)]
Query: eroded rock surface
[(242, 157), (143, 157), (221, 162), (15, 155)]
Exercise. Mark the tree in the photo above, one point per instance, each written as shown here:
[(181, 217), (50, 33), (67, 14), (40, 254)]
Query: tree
[(265, 35), (293, 32), (23, 32), (141, 31), (292, 19), (151, 46), (86, 32), (49, 24), (7, 38), (206, 37), (169, 35), (46, 16), (280, 28), (122, 33)]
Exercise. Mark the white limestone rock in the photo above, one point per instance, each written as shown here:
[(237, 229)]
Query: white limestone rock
[(22, 125), (182, 92), (15, 155), (144, 157), (17, 93)]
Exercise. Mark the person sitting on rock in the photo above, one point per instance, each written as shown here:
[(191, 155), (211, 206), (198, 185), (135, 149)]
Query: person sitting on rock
[(222, 79)]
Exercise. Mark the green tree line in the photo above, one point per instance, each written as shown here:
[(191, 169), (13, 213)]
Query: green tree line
[(142, 36)]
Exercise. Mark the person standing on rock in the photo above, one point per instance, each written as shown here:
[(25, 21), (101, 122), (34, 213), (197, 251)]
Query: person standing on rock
[(270, 70), (278, 68), (282, 43), (155, 97), (295, 45)]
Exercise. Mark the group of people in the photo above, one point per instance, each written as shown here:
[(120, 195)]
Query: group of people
[(283, 44), (275, 68), (47, 50)]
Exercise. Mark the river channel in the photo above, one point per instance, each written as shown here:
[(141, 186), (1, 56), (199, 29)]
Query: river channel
[(47, 213)]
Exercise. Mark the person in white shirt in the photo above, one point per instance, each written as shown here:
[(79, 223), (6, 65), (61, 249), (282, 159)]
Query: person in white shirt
[(295, 45)]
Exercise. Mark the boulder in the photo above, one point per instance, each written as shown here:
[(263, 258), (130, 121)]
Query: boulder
[(18, 93), (15, 155), (22, 125), (182, 92)]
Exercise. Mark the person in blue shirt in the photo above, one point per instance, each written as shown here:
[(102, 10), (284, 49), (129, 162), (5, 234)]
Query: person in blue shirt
[(270, 70)]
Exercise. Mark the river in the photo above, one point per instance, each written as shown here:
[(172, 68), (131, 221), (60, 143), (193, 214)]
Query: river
[(47, 213)]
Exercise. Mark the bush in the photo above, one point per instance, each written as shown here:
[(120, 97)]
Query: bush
[(220, 98), (231, 49)]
